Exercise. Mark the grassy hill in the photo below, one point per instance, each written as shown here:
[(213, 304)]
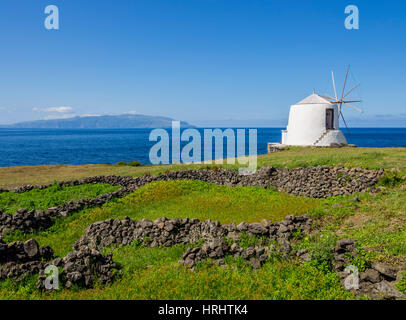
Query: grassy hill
[(377, 222)]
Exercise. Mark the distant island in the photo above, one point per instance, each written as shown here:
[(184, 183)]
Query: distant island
[(124, 121)]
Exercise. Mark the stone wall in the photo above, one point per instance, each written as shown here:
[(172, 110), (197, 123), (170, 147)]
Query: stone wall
[(18, 259), (320, 182), (86, 265), (316, 182), (28, 221)]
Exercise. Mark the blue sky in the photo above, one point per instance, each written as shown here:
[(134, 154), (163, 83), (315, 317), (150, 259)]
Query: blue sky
[(209, 62)]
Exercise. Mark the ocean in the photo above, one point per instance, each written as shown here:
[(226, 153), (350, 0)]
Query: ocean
[(22, 147)]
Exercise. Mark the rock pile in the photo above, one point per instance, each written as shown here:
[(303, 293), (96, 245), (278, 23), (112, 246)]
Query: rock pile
[(275, 147), (168, 232), (17, 258), (279, 233), (24, 220), (377, 282), (219, 248), (83, 268)]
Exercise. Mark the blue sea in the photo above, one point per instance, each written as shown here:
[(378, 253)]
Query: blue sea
[(21, 147)]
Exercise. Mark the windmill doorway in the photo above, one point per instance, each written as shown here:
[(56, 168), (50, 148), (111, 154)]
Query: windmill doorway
[(329, 119)]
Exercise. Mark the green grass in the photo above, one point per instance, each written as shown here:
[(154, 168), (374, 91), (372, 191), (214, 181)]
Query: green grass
[(55, 195), (369, 158), (177, 199), (377, 223), (204, 201), (401, 285), (153, 273)]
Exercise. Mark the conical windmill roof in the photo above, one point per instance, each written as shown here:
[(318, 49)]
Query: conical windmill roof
[(315, 99)]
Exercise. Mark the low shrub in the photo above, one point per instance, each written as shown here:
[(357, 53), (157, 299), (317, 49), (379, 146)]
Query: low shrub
[(391, 179), (130, 164)]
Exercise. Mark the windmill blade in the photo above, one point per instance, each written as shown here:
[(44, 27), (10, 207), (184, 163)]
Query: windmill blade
[(342, 117), (328, 96), (352, 90), (348, 105), (334, 84), (348, 130), (339, 109), (345, 82), (348, 101)]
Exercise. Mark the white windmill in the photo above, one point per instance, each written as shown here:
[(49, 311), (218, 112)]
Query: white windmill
[(314, 121)]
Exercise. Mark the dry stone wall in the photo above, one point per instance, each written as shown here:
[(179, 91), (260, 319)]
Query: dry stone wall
[(86, 265), (316, 182), (18, 259)]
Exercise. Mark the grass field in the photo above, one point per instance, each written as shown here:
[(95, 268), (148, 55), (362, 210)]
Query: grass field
[(50, 197), (377, 222), (168, 280), (371, 158)]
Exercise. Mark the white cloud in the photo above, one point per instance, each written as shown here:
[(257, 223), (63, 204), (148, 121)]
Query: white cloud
[(89, 115), (61, 109), (131, 112), (69, 115), (60, 116)]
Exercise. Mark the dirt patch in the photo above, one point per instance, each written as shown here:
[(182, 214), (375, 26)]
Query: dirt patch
[(358, 220)]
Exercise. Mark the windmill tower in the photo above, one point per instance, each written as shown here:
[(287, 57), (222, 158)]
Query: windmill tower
[(314, 121)]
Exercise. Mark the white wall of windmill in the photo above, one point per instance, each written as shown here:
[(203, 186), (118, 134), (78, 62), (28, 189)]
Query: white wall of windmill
[(332, 137), (307, 123)]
